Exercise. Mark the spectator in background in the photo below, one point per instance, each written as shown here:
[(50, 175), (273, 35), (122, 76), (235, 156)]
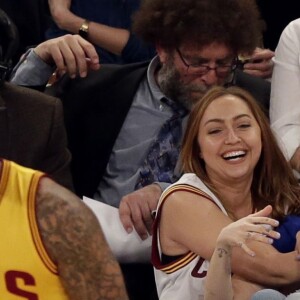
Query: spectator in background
[(285, 112), (285, 94), (32, 131), (105, 23)]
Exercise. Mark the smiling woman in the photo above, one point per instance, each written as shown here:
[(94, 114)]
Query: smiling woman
[(229, 140), (231, 159)]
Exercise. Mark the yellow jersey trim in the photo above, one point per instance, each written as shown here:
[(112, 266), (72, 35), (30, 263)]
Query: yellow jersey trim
[(48, 262)]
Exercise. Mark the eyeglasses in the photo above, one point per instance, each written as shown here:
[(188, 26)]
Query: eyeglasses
[(222, 71)]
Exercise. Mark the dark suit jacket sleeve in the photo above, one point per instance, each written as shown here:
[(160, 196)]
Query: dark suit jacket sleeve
[(32, 132), (57, 156), (95, 108)]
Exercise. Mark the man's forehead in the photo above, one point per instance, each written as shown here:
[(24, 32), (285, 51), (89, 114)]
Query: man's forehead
[(210, 51)]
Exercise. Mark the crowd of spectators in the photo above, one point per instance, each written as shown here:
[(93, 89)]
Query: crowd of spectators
[(99, 100)]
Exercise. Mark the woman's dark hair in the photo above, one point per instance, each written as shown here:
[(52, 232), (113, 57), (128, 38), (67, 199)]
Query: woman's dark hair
[(273, 180)]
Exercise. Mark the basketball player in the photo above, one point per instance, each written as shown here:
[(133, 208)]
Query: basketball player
[(51, 246)]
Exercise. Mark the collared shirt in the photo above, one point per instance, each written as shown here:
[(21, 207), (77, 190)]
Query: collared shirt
[(144, 120), (32, 64), (142, 124)]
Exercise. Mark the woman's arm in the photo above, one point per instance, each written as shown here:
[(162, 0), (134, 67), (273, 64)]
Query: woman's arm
[(199, 222), (218, 284), (118, 41)]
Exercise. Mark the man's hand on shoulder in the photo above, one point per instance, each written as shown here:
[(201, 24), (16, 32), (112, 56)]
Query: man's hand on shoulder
[(70, 54), (136, 209)]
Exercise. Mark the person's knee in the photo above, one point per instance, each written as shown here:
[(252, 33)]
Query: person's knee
[(268, 294), (293, 296)]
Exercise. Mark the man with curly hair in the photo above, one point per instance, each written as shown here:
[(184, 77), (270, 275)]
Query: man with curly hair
[(114, 114)]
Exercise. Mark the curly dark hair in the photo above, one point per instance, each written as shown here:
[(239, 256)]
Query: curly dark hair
[(236, 23)]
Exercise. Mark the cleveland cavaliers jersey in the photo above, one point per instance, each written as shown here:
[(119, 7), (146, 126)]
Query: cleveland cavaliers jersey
[(26, 270), (184, 277)]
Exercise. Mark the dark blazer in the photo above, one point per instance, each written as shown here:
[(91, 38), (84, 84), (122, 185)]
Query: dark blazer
[(32, 132), (96, 107)]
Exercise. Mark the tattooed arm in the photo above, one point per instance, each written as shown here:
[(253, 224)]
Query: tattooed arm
[(75, 242), (218, 284)]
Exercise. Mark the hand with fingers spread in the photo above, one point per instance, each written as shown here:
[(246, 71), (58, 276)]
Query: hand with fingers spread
[(260, 63), (70, 54), (136, 210), (257, 226)]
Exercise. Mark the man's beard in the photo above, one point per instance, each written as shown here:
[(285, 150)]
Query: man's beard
[(171, 84)]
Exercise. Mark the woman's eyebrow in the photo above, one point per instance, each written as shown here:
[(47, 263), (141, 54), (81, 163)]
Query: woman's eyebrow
[(219, 120)]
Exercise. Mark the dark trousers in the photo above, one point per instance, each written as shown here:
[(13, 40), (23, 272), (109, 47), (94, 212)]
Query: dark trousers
[(139, 280)]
